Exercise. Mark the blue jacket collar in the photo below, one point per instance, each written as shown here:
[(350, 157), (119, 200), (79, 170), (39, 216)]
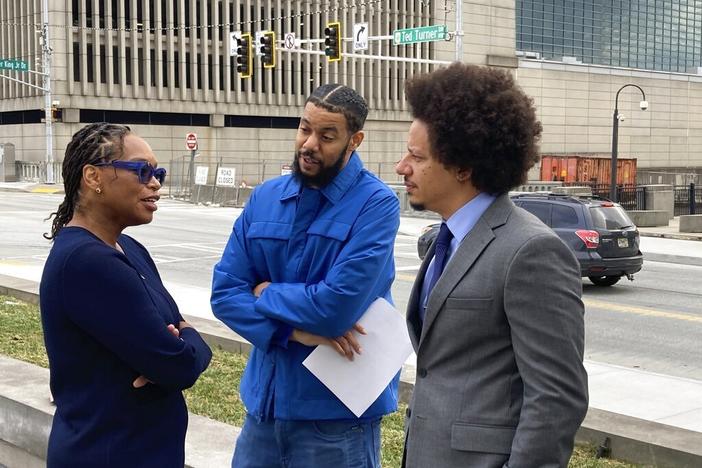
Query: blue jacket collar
[(336, 188)]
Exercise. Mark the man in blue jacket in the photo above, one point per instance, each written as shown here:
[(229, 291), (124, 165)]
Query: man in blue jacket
[(308, 255)]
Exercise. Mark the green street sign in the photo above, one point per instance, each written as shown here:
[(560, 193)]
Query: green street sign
[(423, 34), (11, 64)]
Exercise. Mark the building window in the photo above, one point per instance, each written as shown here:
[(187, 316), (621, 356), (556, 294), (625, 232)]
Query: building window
[(164, 68), (128, 64), (103, 65), (89, 63), (188, 80), (115, 63), (76, 61)]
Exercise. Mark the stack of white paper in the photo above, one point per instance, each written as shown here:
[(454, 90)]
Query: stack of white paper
[(385, 348)]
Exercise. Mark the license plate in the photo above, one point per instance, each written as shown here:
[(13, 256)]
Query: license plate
[(623, 242)]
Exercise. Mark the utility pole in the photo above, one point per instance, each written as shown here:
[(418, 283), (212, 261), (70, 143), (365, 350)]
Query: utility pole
[(46, 64), (459, 30)]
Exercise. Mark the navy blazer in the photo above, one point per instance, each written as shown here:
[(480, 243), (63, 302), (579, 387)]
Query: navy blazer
[(104, 316)]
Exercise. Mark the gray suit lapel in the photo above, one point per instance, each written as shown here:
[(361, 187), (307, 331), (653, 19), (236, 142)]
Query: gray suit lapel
[(467, 253)]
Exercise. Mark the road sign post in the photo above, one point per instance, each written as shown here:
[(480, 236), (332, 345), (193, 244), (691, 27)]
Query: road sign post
[(423, 34), (191, 144)]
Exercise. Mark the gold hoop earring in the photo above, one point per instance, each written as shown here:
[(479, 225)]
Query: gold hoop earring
[(98, 190)]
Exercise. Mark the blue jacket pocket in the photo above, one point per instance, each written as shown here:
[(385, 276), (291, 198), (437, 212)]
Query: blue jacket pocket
[(269, 230), (329, 228)]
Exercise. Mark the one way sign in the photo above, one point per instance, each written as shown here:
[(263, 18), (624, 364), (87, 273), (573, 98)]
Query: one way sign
[(360, 36)]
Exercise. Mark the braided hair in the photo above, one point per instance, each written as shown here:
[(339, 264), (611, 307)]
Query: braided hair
[(94, 143), (341, 99)]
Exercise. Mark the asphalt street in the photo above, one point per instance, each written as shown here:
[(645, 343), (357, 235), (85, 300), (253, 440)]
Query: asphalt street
[(653, 323)]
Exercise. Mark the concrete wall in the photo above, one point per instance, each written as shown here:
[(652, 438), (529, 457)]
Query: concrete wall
[(384, 144), (576, 102), (660, 197)]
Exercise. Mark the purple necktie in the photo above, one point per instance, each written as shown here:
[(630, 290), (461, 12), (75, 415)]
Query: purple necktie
[(443, 242)]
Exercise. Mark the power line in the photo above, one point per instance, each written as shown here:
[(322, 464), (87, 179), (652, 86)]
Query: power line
[(240, 24)]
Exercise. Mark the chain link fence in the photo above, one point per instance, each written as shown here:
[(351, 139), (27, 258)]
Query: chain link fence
[(196, 180)]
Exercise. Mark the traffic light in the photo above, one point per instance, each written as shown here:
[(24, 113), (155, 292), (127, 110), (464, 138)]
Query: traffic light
[(243, 56), (268, 49), (332, 42)]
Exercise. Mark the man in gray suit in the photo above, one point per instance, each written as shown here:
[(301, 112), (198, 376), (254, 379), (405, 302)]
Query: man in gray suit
[(495, 315)]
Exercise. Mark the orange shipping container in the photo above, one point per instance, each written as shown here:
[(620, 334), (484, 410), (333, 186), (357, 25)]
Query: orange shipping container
[(587, 168)]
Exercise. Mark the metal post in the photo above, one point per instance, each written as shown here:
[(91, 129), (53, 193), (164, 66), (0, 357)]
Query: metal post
[(191, 169), (693, 207), (613, 171), (615, 138), (170, 179), (459, 30), (214, 187), (46, 63)]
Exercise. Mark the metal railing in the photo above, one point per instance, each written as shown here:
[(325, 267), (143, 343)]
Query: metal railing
[(687, 199), (181, 180), (35, 171), (630, 196)]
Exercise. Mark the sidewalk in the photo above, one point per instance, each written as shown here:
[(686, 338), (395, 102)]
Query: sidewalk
[(671, 231), (649, 418), (32, 187)]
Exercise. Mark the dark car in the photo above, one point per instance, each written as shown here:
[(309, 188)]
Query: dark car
[(600, 233)]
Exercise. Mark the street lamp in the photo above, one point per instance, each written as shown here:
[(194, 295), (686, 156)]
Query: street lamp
[(615, 137)]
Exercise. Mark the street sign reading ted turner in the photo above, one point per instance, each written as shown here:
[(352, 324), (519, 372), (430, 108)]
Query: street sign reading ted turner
[(423, 34), (19, 65)]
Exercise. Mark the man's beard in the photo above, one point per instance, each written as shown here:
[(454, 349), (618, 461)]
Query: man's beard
[(417, 206), (325, 174)]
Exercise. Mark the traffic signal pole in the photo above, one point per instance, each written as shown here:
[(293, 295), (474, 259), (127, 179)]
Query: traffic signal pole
[(46, 65), (459, 30), (46, 89)]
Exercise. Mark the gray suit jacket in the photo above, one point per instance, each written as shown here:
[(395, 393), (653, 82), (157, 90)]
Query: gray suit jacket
[(500, 376)]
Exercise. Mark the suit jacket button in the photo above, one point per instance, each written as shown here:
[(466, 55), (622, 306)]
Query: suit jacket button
[(422, 372)]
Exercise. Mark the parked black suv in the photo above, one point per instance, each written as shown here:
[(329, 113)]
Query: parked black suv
[(600, 233)]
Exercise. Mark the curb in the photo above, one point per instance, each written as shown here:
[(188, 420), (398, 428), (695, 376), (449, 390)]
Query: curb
[(34, 188), (26, 416), (628, 438), (667, 258), (665, 235)]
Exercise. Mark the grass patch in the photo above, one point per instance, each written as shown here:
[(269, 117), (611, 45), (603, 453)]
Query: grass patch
[(216, 393), (20, 332)]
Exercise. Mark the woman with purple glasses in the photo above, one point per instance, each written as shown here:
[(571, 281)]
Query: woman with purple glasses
[(120, 353)]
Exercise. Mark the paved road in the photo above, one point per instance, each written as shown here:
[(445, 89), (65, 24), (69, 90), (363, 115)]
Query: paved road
[(653, 323)]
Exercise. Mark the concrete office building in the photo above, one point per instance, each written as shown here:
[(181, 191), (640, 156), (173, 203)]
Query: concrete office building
[(164, 68)]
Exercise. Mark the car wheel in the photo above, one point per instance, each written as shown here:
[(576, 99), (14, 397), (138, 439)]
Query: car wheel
[(604, 280)]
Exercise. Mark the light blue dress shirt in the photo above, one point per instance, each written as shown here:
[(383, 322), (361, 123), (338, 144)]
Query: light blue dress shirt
[(460, 224)]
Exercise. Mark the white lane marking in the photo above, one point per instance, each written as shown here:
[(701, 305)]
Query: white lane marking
[(413, 255), (199, 248)]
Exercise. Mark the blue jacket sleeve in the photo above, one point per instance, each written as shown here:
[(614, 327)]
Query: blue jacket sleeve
[(110, 302), (232, 298), (362, 272)]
